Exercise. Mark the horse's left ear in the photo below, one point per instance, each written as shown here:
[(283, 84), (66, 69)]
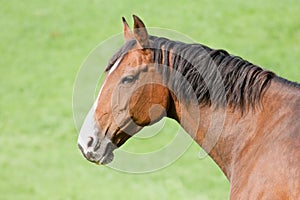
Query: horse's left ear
[(128, 34), (140, 32)]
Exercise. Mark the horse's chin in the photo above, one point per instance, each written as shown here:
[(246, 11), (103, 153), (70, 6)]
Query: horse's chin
[(106, 158), (104, 154)]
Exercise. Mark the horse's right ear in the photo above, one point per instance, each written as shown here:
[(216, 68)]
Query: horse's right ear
[(140, 32), (128, 34)]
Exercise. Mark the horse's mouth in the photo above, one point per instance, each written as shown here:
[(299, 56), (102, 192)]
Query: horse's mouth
[(106, 159), (108, 154), (101, 154)]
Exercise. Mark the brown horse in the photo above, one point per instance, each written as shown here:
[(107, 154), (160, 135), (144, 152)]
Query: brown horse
[(258, 147)]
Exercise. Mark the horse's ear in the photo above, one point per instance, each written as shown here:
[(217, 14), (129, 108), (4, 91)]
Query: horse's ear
[(140, 32), (128, 35)]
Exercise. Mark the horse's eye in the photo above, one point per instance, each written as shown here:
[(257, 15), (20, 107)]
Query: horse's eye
[(128, 79)]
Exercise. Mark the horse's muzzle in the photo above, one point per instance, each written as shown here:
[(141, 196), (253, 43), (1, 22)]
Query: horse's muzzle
[(100, 153)]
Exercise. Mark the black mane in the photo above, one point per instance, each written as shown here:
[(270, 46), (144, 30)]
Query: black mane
[(214, 77)]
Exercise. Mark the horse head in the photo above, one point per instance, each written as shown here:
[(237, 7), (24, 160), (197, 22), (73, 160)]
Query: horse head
[(131, 97)]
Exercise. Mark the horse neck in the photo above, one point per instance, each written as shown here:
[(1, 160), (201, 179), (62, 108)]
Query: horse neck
[(228, 135)]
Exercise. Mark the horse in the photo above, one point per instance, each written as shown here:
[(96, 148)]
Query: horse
[(150, 77)]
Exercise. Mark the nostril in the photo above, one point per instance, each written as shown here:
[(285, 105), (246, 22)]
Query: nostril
[(90, 142)]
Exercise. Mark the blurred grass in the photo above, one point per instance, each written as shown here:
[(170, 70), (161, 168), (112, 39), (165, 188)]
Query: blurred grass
[(43, 45)]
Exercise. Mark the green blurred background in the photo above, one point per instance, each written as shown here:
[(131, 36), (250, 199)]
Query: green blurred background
[(43, 44)]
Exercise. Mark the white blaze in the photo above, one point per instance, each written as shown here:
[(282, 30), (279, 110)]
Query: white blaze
[(89, 128), (114, 66)]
